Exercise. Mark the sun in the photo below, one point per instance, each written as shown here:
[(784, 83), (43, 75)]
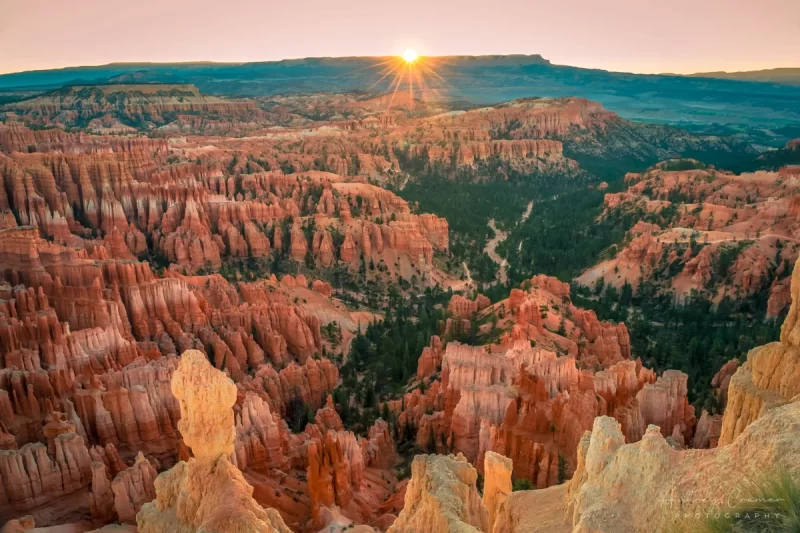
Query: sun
[(411, 74), (410, 55)]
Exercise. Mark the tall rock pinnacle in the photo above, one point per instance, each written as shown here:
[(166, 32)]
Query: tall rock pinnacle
[(207, 493)]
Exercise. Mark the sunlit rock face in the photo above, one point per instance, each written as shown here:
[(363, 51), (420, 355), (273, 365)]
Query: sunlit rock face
[(642, 484), (207, 493), (442, 496), (770, 377), (531, 395), (122, 197), (652, 482), (755, 214), (91, 336), (497, 486)]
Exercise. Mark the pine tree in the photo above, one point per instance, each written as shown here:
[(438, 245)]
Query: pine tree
[(369, 393), (406, 362), (562, 469), (626, 294), (431, 441), (474, 327), (309, 415)]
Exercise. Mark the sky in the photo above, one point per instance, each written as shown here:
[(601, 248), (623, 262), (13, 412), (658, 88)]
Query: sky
[(647, 36)]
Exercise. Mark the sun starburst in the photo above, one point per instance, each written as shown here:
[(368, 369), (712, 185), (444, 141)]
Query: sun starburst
[(409, 75)]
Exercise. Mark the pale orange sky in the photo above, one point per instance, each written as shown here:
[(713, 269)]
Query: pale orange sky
[(648, 36)]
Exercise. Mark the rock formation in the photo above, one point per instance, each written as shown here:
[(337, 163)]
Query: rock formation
[(633, 487), (431, 358), (464, 307), (653, 484), (31, 477), (750, 217), (90, 346), (531, 396), (442, 497), (207, 493), (496, 485), (124, 197), (104, 106), (132, 488), (770, 376)]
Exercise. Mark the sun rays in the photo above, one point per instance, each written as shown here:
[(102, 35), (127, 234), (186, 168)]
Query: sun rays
[(410, 75)]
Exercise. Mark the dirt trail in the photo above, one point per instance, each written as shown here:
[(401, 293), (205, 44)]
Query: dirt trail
[(467, 272), (527, 212), (500, 236), (491, 249)]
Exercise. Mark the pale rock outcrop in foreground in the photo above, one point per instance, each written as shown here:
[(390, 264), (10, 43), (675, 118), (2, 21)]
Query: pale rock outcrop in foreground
[(208, 493), (649, 485), (769, 378), (442, 497), (636, 487), (622, 487), (496, 484)]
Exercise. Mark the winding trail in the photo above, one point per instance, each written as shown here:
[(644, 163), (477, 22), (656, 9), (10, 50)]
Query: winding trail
[(468, 273), (500, 236), (491, 250)]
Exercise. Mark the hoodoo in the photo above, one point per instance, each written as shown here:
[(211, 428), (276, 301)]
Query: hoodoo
[(207, 493)]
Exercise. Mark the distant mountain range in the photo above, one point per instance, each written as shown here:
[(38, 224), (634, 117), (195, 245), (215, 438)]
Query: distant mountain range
[(766, 113), (790, 76)]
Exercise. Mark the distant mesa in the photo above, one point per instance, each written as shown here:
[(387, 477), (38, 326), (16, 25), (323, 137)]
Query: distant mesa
[(789, 76)]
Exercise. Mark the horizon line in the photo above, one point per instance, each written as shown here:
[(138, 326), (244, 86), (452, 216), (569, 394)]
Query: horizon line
[(289, 59)]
